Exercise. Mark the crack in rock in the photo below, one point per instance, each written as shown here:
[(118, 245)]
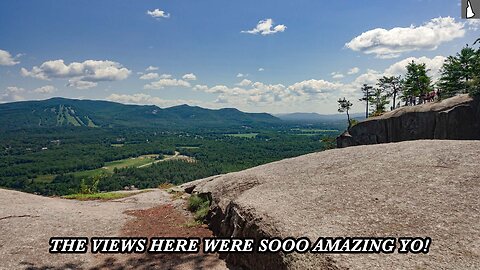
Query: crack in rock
[(21, 216)]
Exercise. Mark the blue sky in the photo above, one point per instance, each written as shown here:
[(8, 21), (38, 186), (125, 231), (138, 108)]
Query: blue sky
[(258, 56)]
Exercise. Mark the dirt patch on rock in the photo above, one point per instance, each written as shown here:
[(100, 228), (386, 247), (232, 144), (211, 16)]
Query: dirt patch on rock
[(162, 221)]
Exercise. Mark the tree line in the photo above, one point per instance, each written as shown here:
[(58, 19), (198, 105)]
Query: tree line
[(460, 74)]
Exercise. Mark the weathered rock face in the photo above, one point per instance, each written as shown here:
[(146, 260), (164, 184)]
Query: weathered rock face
[(457, 118), (417, 188)]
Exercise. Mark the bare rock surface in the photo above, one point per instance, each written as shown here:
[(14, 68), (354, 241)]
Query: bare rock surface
[(28, 221), (456, 118), (416, 189)]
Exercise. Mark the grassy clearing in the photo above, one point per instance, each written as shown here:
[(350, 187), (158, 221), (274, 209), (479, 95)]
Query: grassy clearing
[(48, 178), (313, 130), (90, 173), (129, 162), (243, 135), (106, 196), (107, 169), (117, 145), (123, 163), (188, 147)]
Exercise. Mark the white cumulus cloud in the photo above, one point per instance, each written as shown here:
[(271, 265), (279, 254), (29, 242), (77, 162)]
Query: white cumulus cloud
[(433, 65), (248, 93), (371, 76), (165, 76), (392, 43), (12, 93), (157, 13), (337, 75), (200, 87), (218, 89), (6, 59), (149, 76), (266, 27), (189, 77), (82, 85), (151, 68), (315, 86), (81, 75), (244, 82), (162, 83), (47, 89)]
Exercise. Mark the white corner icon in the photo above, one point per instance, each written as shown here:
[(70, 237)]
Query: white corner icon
[(470, 13)]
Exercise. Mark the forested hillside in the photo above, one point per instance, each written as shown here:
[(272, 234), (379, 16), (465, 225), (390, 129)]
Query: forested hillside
[(70, 112)]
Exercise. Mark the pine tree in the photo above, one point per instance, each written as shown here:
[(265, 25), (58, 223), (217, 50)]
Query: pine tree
[(345, 105), (459, 72), (392, 86), (474, 84), (450, 82), (366, 90), (416, 84), (378, 101)]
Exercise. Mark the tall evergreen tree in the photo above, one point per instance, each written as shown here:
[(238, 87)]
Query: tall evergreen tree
[(458, 72), (474, 84), (366, 90), (378, 101), (417, 83), (392, 86)]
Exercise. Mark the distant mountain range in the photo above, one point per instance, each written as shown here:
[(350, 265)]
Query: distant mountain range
[(56, 112), (317, 118)]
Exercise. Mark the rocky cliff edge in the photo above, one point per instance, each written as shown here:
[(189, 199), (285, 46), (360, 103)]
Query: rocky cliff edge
[(456, 118), (417, 188)]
